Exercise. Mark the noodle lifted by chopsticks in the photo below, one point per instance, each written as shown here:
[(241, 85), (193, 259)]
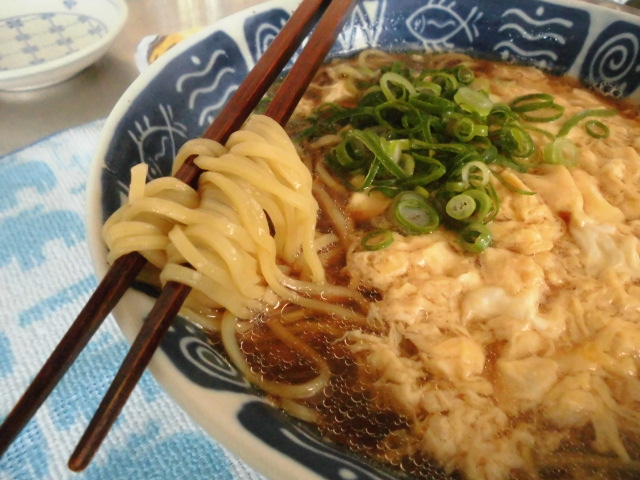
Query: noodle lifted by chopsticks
[(251, 220)]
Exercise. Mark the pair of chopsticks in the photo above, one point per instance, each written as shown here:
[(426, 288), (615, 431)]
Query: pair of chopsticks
[(330, 16)]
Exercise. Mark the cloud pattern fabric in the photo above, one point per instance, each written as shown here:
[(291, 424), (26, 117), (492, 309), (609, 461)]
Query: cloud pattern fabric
[(45, 277)]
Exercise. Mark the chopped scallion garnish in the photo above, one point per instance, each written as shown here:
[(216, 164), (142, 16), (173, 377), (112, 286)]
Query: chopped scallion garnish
[(596, 129), (561, 151), (377, 239), (578, 117), (413, 214), (475, 237), (461, 206), (431, 140)]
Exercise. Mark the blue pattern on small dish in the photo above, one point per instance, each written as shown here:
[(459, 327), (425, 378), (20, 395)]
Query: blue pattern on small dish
[(39, 38), (591, 41), (46, 41)]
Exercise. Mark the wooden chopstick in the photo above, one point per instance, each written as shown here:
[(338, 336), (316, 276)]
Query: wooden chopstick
[(173, 294), (126, 268)]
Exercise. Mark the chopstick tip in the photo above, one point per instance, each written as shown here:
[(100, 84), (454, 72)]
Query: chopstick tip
[(79, 461)]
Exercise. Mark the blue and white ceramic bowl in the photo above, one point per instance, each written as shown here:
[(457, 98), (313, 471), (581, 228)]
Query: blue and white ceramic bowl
[(178, 96), (43, 42)]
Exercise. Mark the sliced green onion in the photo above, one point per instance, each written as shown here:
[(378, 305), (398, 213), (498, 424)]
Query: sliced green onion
[(461, 206), (412, 214), (445, 148), (501, 114), (469, 179), (473, 101), (562, 151), (485, 207), (426, 127), (464, 74), (541, 131), (411, 122), (347, 154), (516, 141), (396, 117), (475, 237), (394, 148), (546, 114), (455, 164), (374, 144), (432, 104), (510, 163), (447, 81), (369, 178), (423, 192), (531, 102), (424, 86), (407, 163), (402, 144), (465, 129), (418, 139), (490, 190), (455, 187), (578, 117), (427, 170), (597, 129), (377, 239), (372, 97), (487, 150), (537, 107), (392, 78)]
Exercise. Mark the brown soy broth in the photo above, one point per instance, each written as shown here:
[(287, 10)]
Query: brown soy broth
[(348, 411), (350, 415)]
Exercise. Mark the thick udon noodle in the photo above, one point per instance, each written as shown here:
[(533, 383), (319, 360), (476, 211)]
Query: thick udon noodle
[(518, 362), (233, 240)]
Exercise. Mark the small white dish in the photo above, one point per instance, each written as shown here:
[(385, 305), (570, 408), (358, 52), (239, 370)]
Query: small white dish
[(43, 42)]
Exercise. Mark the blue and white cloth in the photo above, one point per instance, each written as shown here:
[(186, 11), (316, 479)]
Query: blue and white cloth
[(45, 277)]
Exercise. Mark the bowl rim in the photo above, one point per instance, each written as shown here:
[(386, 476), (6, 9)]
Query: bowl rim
[(89, 51)]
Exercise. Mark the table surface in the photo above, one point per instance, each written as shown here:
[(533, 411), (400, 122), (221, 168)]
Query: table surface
[(31, 115)]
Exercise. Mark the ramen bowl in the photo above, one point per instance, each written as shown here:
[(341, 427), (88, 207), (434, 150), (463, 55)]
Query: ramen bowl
[(44, 42), (178, 96)]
